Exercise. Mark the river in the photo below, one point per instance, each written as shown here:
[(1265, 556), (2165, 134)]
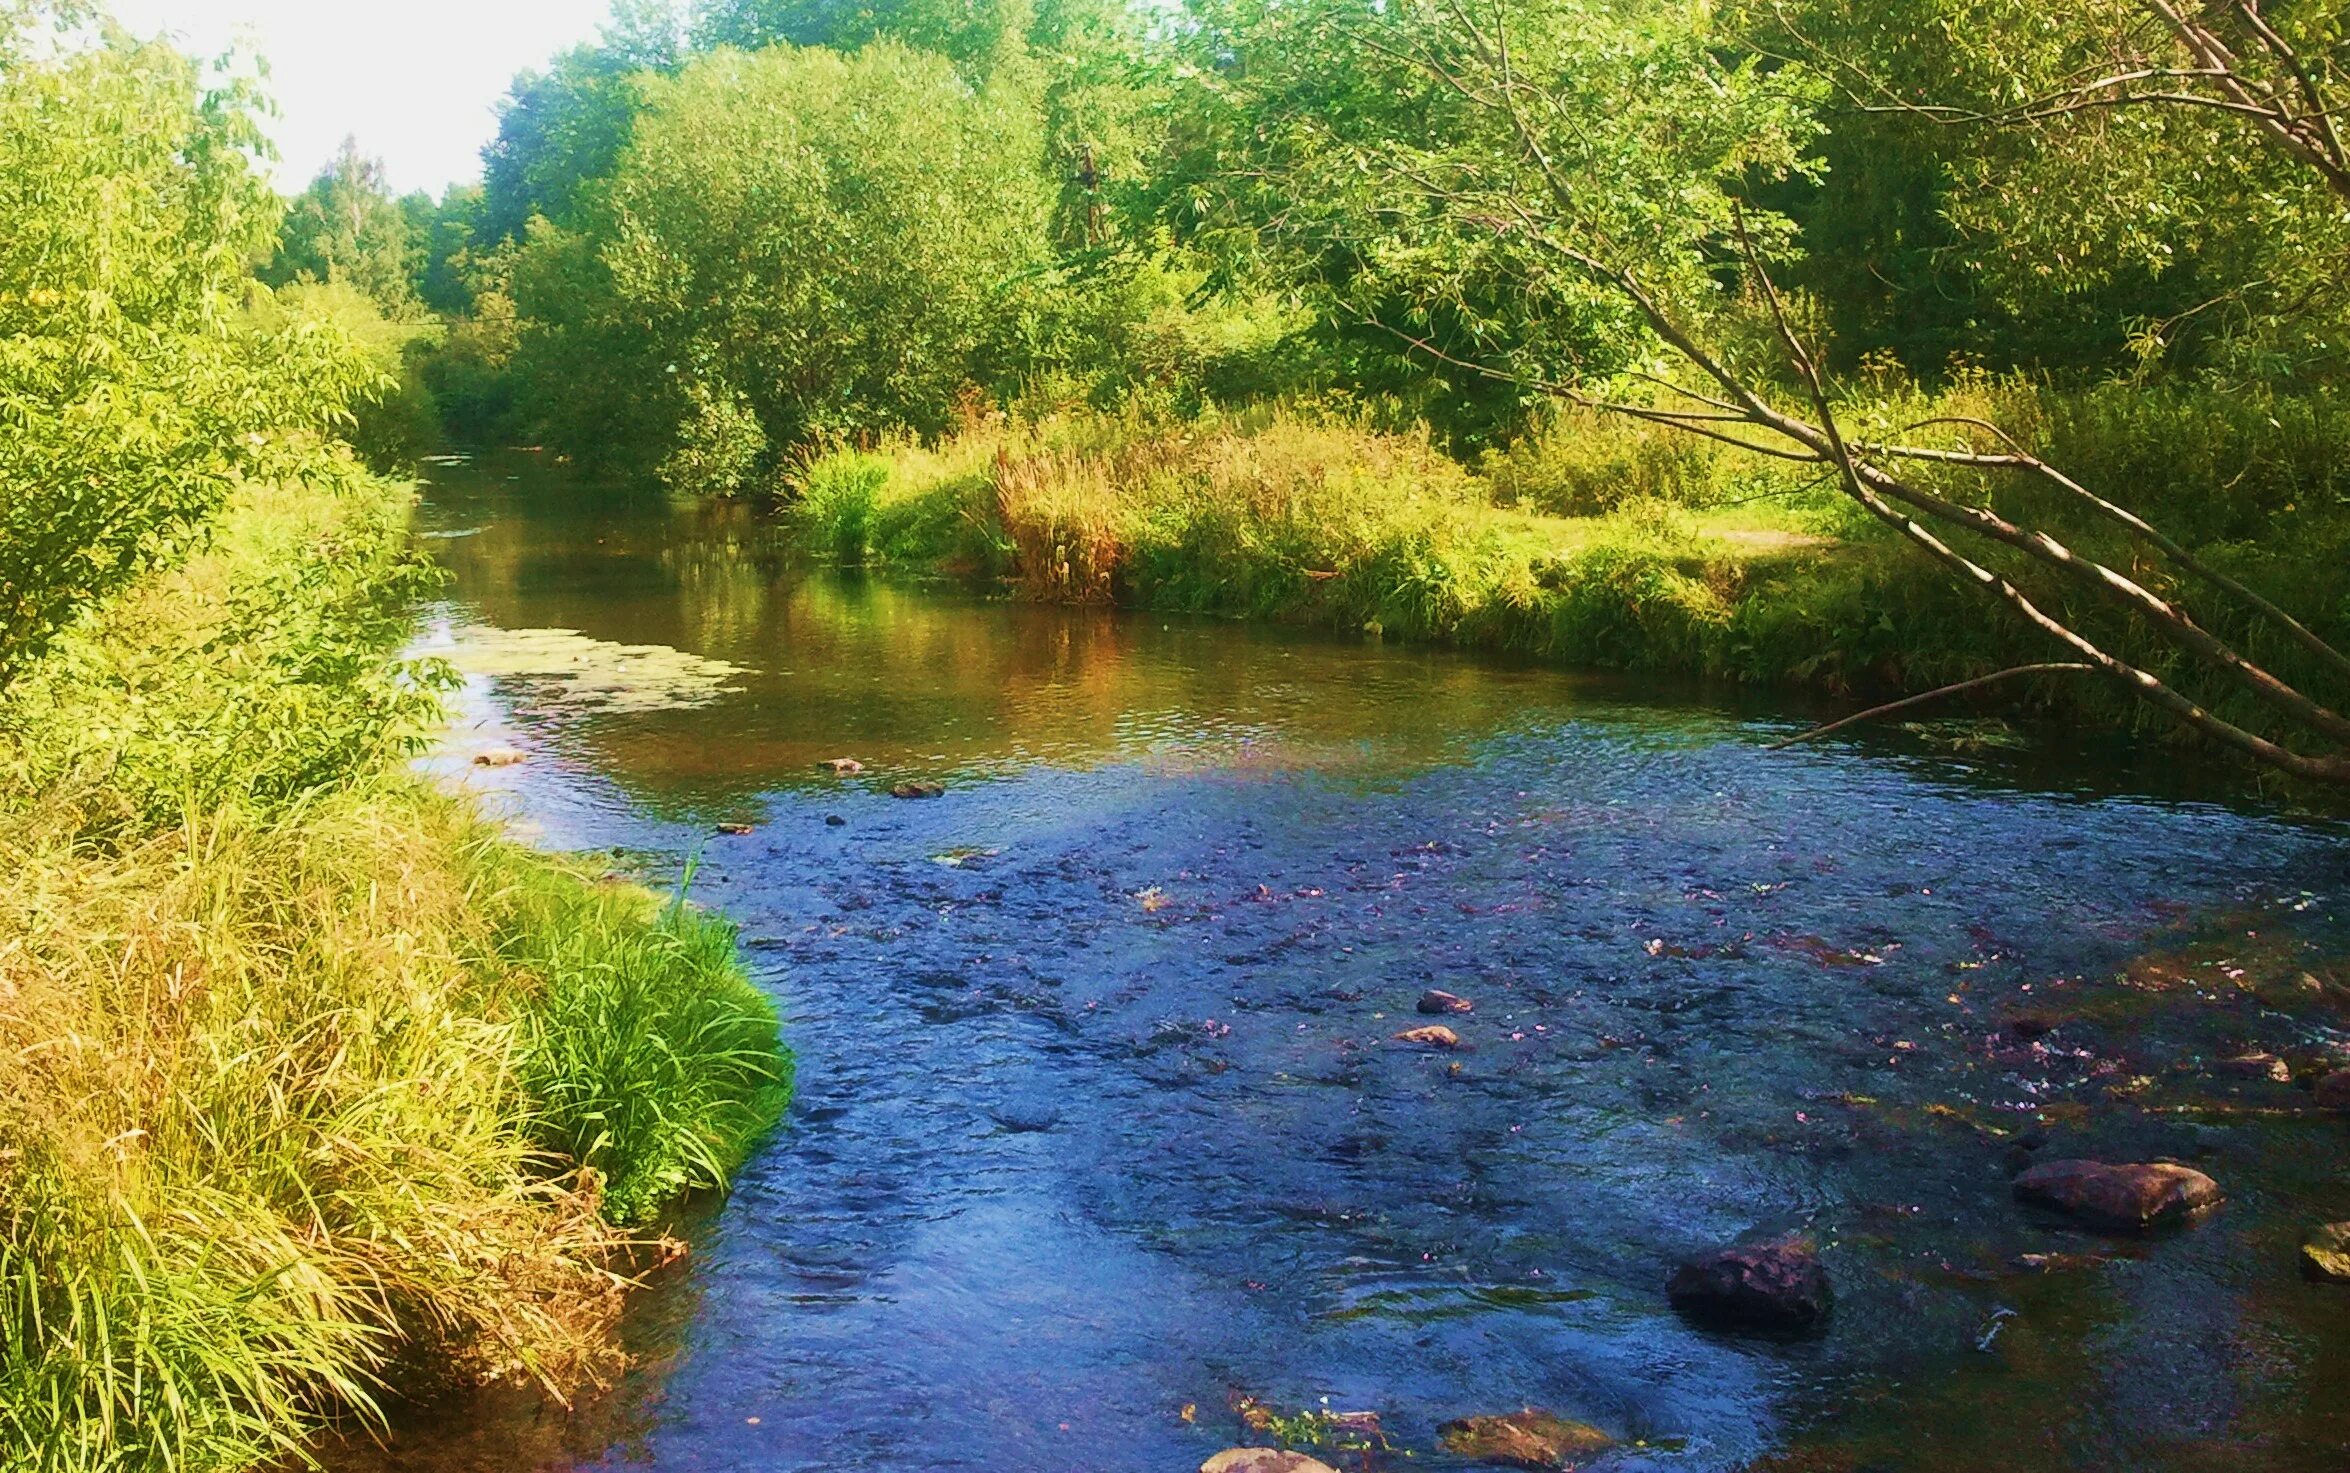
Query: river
[(1101, 1125)]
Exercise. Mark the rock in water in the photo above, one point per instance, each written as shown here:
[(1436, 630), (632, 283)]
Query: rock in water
[(737, 830), (1262, 1460), (2129, 1198), (501, 757), (1527, 1439), (2333, 1091), (1777, 1285), (1437, 1036), (1436, 1002), (918, 790), (842, 766), (2325, 1253), (2255, 1066)]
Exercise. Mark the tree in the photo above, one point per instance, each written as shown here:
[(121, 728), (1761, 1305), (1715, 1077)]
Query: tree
[(133, 396), (1561, 151), (347, 228), (2092, 172), (811, 238)]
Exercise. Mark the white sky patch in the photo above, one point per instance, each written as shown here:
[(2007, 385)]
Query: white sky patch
[(416, 81)]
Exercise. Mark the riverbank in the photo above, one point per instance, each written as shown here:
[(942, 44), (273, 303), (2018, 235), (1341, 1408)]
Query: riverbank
[(314, 1088), (1599, 543)]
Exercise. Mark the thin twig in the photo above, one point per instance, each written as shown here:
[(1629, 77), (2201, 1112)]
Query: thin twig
[(2062, 667)]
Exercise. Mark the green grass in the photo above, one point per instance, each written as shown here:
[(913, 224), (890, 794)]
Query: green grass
[(312, 1085), (1609, 545)]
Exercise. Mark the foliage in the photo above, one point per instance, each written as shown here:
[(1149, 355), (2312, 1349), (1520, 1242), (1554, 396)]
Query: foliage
[(288, 1068), (346, 229), (814, 236), (133, 398), (1960, 174), (651, 1059), (1445, 178)]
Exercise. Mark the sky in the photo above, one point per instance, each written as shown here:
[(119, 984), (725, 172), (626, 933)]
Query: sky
[(415, 80)]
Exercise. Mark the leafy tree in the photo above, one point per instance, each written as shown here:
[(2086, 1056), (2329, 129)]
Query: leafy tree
[(818, 238), (347, 228), (560, 132), (1344, 144), (132, 394), (2074, 177)]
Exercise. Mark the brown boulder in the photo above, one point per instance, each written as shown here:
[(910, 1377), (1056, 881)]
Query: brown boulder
[(918, 790), (1527, 1439), (1436, 1036), (1262, 1460), (1777, 1285), (1436, 1002), (2333, 1091), (2127, 1198)]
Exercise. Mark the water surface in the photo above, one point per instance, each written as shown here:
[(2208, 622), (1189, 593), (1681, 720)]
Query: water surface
[(1102, 1126)]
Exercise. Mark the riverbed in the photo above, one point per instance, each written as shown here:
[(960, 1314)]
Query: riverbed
[(1103, 1131)]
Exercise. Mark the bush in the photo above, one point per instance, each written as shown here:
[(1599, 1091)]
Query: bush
[(651, 1060), (309, 1082)]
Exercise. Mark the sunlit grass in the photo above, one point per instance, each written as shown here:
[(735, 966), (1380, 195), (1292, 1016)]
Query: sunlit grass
[(311, 1083)]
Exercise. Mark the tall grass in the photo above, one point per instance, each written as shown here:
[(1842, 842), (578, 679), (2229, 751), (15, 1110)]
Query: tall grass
[(1606, 543), (312, 1085)]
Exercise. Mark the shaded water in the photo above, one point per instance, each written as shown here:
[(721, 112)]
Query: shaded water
[(1101, 1124)]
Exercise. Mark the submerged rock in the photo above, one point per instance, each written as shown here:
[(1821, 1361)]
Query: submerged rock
[(1434, 1036), (2333, 1091), (2325, 1253), (1025, 1117), (2028, 1026), (2125, 1198), (1436, 1002), (918, 790), (737, 830), (1262, 1460), (842, 766), (2255, 1066), (501, 757), (1527, 1439), (1776, 1285)]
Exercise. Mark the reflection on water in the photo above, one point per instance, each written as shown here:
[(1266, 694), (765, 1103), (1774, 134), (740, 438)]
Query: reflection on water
[(1102, 1124)]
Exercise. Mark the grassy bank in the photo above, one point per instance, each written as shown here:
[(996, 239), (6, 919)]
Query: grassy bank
[(311, 1084), (1599, 542)]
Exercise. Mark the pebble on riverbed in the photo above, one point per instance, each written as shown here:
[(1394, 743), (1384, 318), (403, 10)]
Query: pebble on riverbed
[(1776, 1285), (1434, 1036), (2121, 1198), (2325, 1253), (1262, 1460), (1527, 1439)]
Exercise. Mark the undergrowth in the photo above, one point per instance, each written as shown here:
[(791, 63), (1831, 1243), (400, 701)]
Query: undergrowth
[(312, 1085), (1604, 543)]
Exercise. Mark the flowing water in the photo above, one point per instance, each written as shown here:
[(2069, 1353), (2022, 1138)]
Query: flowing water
[(1101, 1125)]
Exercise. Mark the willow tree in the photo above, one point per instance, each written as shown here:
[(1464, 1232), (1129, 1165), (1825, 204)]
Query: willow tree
[(1593, 157)]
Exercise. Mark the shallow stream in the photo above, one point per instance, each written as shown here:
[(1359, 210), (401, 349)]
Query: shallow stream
[(1101, 1123)]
